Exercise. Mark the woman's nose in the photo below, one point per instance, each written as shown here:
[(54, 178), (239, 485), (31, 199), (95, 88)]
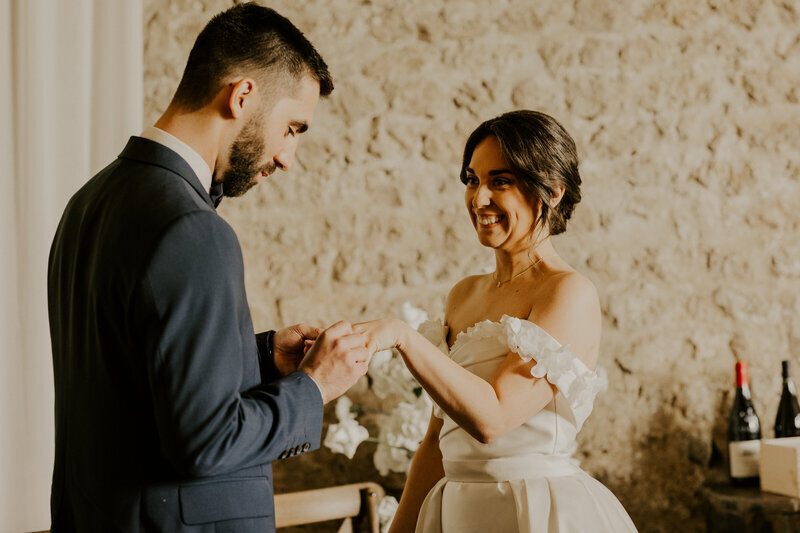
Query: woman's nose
[(482, 197)]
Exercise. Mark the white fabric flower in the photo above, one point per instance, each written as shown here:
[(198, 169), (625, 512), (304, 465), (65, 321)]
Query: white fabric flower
[(345, 437), (379, 359), (413, 316), (388, 459), (387, 508), (344, 409), (436, 333), (401, 432), (553, 363), (576, 382), (392, 378), (580, 391)]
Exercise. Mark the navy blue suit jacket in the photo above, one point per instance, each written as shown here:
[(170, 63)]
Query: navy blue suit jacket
[(166, 417)]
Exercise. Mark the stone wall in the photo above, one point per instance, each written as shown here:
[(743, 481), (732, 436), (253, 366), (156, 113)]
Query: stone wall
[(687, 121)]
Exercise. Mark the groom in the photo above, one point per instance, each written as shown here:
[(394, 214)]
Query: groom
[(169, 409)]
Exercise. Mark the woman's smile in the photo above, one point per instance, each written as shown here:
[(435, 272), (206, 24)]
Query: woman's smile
[(501, 213), (489, 221)]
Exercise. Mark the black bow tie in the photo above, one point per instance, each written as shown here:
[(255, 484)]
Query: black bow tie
[(215, 193)]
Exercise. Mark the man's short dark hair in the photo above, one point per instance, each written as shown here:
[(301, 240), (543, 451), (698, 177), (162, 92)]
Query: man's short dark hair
[(248, 40)]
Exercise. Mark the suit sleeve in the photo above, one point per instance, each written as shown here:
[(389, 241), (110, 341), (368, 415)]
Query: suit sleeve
[(199, 339)]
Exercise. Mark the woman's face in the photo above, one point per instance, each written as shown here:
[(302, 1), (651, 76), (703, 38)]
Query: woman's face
[(501, 213)]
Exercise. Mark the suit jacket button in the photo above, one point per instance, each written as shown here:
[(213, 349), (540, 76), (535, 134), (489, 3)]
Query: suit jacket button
[(306, 447)]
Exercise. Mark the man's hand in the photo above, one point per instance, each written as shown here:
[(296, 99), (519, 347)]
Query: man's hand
[(289, 346), (336, 360)]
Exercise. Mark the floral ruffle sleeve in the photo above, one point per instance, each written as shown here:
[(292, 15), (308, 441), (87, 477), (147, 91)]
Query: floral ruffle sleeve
[(556, 363)]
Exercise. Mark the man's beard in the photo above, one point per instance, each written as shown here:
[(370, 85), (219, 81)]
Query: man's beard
[(244, 161)]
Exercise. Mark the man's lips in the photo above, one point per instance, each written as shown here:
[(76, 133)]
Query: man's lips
[(264, 173)]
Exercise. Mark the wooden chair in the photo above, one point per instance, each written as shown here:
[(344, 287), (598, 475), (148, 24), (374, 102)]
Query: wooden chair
[(348, 502)]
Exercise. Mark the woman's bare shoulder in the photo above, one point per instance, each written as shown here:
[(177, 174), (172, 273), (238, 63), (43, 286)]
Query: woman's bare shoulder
[(570, 287), (568, 307)]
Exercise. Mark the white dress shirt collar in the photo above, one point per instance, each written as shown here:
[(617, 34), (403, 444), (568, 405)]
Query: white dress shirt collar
[(192, 158)]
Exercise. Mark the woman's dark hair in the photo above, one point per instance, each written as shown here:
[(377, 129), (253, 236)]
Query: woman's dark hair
[(541, 155), (249, 40)]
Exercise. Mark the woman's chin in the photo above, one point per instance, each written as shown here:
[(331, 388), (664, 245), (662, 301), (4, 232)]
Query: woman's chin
[(490, 241)]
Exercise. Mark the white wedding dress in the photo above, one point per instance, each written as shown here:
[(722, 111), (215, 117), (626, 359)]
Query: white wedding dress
[(525, 481)]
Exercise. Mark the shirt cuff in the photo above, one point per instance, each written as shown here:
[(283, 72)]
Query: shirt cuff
[(266, 360)]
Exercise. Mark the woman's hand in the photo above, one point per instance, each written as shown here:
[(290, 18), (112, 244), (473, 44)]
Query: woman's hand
[(383, 334)]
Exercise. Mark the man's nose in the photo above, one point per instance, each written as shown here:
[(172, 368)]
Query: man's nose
[(285, 158), (283, 161)]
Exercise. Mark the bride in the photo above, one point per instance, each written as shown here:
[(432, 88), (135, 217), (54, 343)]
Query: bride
[(511, 370)]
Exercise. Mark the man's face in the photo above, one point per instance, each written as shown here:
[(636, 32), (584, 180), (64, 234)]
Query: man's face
[(268, 140)]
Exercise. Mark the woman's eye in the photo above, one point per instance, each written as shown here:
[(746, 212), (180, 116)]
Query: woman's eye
[(469, 180), (501, 182)]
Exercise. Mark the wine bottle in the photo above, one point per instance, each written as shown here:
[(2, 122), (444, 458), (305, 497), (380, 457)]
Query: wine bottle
[(787, 423), (744, 433)]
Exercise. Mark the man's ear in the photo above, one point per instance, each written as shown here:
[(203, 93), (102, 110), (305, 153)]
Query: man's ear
[(242, 95)]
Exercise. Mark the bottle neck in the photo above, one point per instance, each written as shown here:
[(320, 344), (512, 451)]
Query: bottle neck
[(745, 390), (742, 379)]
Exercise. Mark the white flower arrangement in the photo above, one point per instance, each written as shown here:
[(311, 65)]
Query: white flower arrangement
[(387, 508), (400, 429), (345, 436)]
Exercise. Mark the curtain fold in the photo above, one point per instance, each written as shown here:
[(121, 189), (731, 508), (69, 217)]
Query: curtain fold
[(70, 96)]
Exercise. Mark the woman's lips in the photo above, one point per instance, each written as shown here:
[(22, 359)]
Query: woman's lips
[(487, 221)]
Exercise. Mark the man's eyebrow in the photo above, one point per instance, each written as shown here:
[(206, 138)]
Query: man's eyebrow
[(299, 125)]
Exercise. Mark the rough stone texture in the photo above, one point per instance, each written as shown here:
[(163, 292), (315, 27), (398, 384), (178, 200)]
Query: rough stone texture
[(687, 120)]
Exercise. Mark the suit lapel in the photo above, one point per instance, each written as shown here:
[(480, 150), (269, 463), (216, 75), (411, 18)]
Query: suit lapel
[(153, 153)]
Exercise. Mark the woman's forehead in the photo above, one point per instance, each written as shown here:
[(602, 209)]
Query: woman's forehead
[(488, 157)]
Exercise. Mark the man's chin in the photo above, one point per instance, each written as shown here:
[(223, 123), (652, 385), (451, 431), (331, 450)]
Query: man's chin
[(237, 189)]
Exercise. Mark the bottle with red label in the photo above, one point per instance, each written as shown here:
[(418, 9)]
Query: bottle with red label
[(744, 433)]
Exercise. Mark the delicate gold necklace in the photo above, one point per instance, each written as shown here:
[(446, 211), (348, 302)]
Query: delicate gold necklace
[(518, 274)]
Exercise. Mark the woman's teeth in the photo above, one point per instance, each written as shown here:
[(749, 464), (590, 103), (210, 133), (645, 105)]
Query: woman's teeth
[(488, 220)]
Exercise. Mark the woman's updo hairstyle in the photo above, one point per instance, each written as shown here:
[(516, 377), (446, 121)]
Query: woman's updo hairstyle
[(542, 156)]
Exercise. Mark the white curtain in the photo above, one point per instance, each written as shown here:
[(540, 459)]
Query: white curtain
[(70, 96)]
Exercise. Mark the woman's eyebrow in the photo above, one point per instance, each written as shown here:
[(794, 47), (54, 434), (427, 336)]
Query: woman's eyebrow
[(491, 172)]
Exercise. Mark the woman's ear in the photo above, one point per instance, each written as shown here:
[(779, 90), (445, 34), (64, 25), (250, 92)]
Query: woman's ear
[(555, 199)]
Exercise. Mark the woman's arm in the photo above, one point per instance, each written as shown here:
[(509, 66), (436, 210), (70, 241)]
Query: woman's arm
[(426, 470), (488, 410)]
